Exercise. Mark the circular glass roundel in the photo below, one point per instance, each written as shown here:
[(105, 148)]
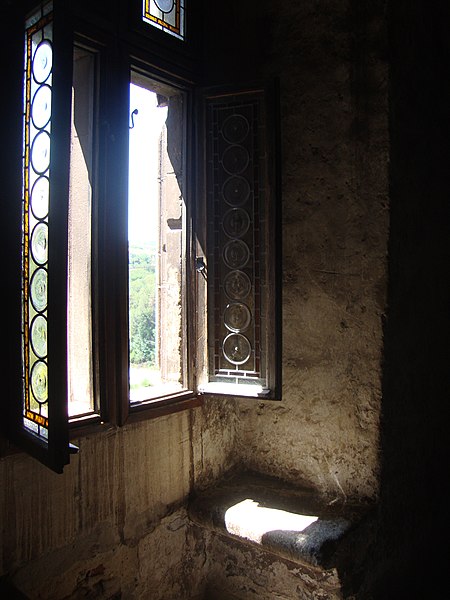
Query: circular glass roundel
[(40, 152), (236, 348), (235, 159), (38, 288), (236, 190), (236, 222), (42, 61), (39, 336), (39, 381), (40, 197), (236, 254), (237, 285), (39, 243), (41, 107), (164, 5), (235, 129), (237, 317)]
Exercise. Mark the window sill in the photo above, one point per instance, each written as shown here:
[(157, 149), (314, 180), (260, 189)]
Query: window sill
[(266, 512), (236, 390), (161, 407), (152, 409)]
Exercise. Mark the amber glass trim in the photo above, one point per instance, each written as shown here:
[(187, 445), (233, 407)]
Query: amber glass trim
[(153, 13), (34, 417)]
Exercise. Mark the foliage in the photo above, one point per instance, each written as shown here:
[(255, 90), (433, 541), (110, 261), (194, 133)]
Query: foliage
[(142, 306)]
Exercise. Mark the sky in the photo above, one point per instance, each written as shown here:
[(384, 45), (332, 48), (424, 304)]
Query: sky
[(143, 165)]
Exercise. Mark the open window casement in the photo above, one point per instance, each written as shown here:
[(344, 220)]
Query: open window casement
[(38, 419), (135, 301), (241, 237)]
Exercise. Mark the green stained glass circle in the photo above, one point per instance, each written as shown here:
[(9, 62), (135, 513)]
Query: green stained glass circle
[(40, 197), (38, 289), (39, 381), (39, 243), (39, 336), (236, 348), (42, 61)]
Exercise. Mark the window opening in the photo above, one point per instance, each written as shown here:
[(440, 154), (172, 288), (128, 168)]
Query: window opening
[(179, 332), (166, 15), (156, 241), (79, 310)]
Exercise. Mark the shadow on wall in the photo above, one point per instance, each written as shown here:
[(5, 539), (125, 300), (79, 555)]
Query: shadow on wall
[(408, 561)]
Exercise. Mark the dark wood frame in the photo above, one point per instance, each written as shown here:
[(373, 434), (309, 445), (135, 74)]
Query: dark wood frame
[(121, 42)]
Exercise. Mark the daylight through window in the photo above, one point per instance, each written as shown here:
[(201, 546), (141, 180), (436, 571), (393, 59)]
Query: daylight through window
[(156, 240)]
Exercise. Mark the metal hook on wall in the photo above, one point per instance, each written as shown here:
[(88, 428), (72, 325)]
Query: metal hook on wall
[(135, 112)]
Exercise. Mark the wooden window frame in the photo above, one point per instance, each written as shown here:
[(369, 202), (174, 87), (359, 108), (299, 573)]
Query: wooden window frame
[(160, 56)]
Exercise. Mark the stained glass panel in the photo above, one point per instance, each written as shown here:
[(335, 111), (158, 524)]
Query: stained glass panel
[(241, 245), (36, 189), (235, 300), (167, 15)]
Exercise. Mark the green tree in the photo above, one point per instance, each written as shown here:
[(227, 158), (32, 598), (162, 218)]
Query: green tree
[(142, 309)]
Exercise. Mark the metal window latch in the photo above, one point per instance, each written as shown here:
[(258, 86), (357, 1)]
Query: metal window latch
[(200, 266)]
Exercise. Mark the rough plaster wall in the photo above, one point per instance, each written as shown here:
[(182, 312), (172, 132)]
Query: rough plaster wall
[(114, 522), (214, 431), (414, 511), (102, 565), (238, 572), (334, 197)]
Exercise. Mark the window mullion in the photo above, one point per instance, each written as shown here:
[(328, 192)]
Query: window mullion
[(113, 243)]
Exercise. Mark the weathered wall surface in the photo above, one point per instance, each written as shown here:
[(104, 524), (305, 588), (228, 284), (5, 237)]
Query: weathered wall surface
[(238, 572), (114, 522), (330, 59), (414, 512)]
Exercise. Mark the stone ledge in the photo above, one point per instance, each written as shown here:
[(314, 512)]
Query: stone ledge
[(272, 514)]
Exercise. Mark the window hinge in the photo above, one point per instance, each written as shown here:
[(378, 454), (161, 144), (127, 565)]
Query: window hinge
[(200, 266)]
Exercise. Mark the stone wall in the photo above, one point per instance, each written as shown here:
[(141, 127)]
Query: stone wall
[(113, 525), (330, 59), (413, 515)]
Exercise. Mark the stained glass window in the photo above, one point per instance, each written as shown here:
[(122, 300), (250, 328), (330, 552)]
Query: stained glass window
[(194, 308), (35, 209), (167, 15), (241, 282)]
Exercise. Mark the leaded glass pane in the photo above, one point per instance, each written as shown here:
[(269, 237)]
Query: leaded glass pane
[(238, 261), (167, 15), (38, 75)]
